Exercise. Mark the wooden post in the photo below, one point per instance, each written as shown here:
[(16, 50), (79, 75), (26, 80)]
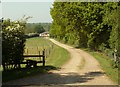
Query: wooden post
[(4, 68), (37, 49), (44, 57), (39, 57), (27, 51)]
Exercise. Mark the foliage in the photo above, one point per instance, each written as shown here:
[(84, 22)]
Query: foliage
[(13, 42), (114, 41), (37, 27), (46, 26), (87, 24), (114, 35)]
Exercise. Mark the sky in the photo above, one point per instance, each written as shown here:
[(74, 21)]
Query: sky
[(16, 9), (38, 9)]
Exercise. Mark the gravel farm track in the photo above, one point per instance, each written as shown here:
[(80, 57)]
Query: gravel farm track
[(70, 73)]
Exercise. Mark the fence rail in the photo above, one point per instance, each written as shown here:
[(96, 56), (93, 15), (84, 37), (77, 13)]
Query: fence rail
[(33, 55)]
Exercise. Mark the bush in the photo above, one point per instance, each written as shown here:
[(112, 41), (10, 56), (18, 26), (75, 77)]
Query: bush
[(13, 42)]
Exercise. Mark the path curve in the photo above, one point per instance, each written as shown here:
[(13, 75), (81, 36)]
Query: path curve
[(70, 73)]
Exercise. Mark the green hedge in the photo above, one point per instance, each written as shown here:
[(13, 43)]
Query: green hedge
[(13, 42)]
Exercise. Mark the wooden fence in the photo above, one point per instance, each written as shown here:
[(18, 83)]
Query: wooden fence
[(31, 59), (30, 62)]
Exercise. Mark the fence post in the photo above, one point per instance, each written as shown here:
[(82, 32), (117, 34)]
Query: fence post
[(39, 57), (27, 51), (44, 57)]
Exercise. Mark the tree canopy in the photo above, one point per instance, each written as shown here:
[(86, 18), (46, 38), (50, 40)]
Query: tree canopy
[(39, 29)]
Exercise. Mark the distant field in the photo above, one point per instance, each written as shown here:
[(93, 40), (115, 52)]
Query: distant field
[(34, 45)]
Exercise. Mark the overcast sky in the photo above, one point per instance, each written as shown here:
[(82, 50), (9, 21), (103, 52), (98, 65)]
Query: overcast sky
[(38, 9)]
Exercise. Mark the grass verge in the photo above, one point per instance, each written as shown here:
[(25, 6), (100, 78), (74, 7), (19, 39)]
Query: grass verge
[(106, 65), (58, 57)]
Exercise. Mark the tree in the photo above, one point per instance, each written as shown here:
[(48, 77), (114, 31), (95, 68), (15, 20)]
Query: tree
[(82, 23), (39, 29)]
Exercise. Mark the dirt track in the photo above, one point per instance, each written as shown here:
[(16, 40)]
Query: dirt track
[(70, 73)]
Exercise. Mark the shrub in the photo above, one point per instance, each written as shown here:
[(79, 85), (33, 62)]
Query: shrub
[(13, 42)]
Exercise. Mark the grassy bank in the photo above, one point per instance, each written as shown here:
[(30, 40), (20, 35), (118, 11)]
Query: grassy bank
[(58, 57), (53, 61), (106, 64)]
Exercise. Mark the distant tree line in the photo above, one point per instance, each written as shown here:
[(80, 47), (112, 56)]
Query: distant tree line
[(46, 26), (37, 27), (95, 25)]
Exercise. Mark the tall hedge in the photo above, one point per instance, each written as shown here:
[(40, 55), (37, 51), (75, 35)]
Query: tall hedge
[(87, 24), (13, 43)]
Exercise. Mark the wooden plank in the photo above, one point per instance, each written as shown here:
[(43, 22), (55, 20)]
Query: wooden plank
[(26, 62), (44, 57), (33, 55), (39, 61)]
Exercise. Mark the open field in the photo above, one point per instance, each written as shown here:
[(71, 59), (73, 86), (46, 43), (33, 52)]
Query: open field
[(53, 61), (34, 45)]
